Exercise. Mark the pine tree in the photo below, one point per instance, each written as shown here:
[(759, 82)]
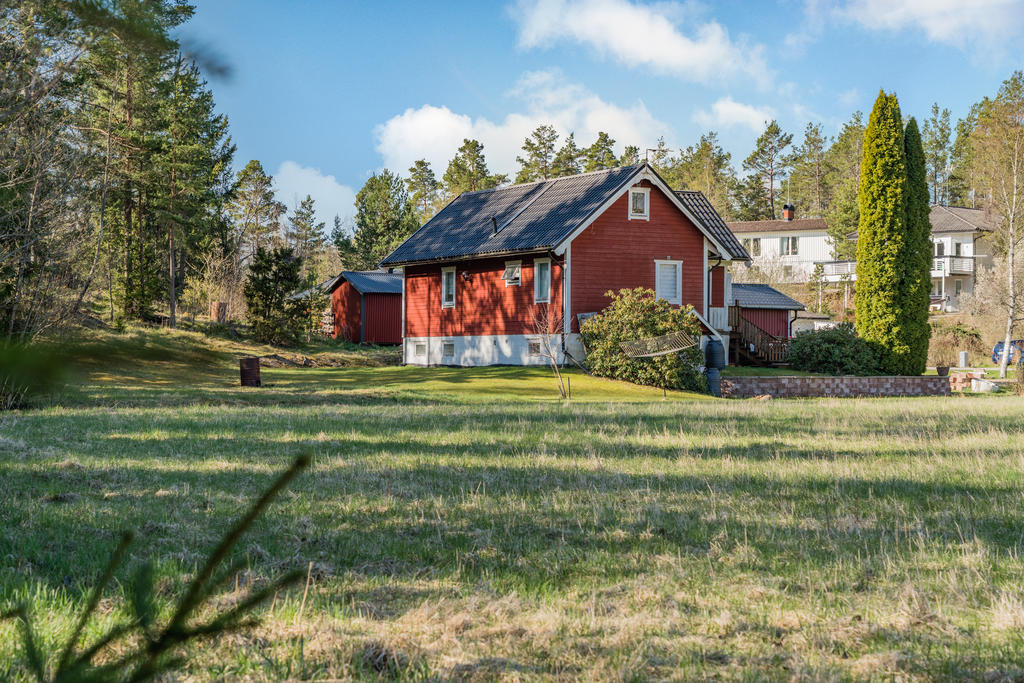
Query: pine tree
[(960, 186), (842, 177), (568, 160), (539, 154), (384, 218), (467, 171), (917, 261), (424, 189), (882, 236), (768, 162), (255, 210), (305, 236), (630, 156), (600, 155), (935, 141), (706, 167), (807, 186)]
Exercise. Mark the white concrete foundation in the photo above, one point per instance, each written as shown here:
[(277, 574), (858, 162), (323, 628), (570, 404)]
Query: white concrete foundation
[(507, 349)]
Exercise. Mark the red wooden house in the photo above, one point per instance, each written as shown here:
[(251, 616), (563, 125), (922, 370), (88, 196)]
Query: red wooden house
[(366, 306), (497, 275)]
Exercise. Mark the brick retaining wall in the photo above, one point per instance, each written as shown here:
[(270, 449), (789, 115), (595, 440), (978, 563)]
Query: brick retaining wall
[(843, 385)]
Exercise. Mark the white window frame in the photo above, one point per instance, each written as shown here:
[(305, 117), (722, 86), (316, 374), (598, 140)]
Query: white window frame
[(444, 274), (446, 343), (519, 280), (419, 350), (547, 297), (658, 263), (789, 245), (646, 215), (530, 343)]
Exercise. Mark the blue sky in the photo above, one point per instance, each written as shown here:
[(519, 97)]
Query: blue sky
[(326, 93)]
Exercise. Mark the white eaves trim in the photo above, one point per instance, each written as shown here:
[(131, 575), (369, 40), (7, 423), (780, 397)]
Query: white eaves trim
[(646, 173)]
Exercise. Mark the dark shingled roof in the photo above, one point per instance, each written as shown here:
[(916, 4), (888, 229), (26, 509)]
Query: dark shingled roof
[(372, 281), (365, 281), (530, 217), (702, 209), (763, 296), (797, 224)]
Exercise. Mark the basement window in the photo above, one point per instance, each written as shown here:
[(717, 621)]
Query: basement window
[(421, 350), (513, 273), (640, 204), (535, 347), (448, 350)]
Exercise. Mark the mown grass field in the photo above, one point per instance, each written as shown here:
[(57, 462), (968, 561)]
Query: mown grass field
[(477, 528)]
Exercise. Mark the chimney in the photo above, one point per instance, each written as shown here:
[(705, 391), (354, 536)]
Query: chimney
[(788, 211)]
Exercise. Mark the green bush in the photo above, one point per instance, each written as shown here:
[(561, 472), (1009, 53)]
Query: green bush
[(836, 351), (638, 314)]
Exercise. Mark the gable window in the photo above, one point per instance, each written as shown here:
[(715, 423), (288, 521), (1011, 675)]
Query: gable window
[(789, 246), (448, 288), (752, 245), (513, 273), (541, 281), (668, 281), (640, 203)]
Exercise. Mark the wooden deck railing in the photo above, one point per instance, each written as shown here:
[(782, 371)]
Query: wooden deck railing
[(767, 347)]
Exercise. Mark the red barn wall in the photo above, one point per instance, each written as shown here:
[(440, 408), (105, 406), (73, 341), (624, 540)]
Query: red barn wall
[(615, 253), (772, 321), (483, 304), (718, 287), (346, 302), (383, 318)]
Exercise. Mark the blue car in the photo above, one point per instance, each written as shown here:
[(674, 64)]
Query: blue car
[(1016, 350)]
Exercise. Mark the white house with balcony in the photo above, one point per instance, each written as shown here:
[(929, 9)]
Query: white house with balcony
[(784, 250), (959, 249)]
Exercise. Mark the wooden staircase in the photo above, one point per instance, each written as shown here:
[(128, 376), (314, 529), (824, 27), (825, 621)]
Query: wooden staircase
[(752, 345)]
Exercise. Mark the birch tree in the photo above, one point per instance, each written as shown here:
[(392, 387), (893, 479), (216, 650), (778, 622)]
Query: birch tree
[(997, 145)]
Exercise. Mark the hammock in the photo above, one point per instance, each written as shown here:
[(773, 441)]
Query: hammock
[(674, 342)]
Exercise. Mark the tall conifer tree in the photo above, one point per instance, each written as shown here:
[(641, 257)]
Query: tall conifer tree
[(882, 235), (918, 261)]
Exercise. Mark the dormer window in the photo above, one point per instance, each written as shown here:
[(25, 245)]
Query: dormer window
[(640, 204), (513, 273)]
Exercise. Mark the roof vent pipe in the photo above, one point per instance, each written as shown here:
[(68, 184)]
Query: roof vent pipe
[(494, 226), (788, 211)]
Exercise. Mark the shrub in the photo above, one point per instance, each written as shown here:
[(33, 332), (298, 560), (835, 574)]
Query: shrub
[(637, 314), (835, 351)]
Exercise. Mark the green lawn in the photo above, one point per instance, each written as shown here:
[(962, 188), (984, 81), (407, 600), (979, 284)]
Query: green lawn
[(478, 528)]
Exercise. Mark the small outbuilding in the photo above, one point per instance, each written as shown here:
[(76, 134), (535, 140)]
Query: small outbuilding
[(766, 307), (366, 306)]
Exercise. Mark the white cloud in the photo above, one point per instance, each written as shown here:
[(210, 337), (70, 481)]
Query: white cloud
[(849, 98), (643, 36), (981, 23), (293, 182), (434, 133), (727, 112)]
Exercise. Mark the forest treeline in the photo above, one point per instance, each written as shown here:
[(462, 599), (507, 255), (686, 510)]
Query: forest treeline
[(120, 198)]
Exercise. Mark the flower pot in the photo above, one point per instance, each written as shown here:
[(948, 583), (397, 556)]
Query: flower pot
[(942, 371)]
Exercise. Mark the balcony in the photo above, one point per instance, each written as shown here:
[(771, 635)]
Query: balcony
[(952, 265), (836, 271)]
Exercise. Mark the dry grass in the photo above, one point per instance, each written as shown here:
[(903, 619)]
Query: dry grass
[(475, 539)]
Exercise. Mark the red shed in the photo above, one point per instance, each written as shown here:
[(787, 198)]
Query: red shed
[(367, 306)]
